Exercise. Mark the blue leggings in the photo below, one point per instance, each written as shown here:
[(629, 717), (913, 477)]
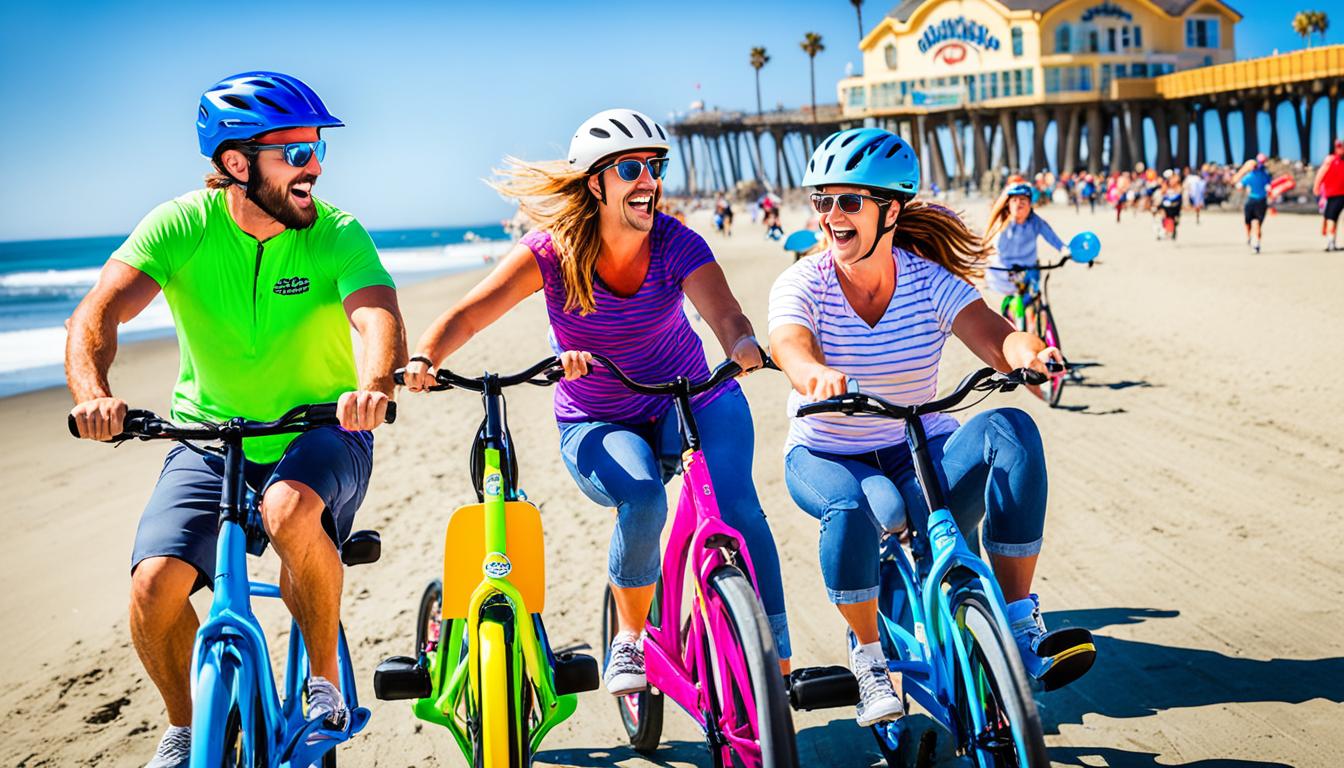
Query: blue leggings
[(625, 466), (993, 468)]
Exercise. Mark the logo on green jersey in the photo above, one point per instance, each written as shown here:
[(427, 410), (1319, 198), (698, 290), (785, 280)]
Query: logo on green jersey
[(291, 286)]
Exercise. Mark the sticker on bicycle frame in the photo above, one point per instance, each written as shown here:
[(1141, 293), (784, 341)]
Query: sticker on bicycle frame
[(919, 633), (496, 565), (492, 483)]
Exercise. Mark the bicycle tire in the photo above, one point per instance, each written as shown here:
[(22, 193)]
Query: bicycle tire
[(641, 713), (429, 622), (774, 718), (494, 745), (1054, 385), (999, 684)]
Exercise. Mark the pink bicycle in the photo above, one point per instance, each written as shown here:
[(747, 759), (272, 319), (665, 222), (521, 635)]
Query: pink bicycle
[(714, 655)]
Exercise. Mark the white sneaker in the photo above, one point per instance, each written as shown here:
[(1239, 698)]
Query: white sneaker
[(326, 702), (625, 665), (174, 748), (877, 697)]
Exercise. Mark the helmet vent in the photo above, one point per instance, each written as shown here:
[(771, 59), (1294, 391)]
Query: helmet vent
[(661, 135), (285, 84), (829, 161), (261, 83), (643, 125), (895, 145), (848, 139), (599, 133), (624, 130), (271, 104), (853, 160), (235, 101), (203, 115)]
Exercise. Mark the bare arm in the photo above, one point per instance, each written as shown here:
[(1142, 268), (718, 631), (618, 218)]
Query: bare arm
[(374, 314), (994, 341), (1320, 175), (798, 354), (708, 290), (516, 278), (121, 293)]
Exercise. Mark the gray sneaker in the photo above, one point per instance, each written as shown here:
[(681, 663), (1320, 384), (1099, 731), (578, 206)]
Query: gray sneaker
[(625, 665), (877, 697), (174, 748)]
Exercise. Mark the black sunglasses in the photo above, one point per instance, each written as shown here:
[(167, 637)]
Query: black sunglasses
[(849, 202), (629, 170)]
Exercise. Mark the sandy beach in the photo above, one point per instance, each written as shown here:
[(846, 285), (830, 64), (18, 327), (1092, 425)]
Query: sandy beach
[(1196, 483)]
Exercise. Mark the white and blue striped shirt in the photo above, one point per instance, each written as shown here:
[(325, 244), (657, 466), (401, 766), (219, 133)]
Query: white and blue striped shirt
[(897, 359)]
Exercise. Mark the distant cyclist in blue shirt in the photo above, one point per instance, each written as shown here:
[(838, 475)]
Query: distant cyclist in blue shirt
[(1016, 227), (1255, 178)]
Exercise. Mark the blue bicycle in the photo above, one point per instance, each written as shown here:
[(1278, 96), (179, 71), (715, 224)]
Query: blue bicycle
[(238, 717), (944, 621)]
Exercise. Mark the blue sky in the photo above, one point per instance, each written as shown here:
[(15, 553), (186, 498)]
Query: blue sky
[(99, 99)]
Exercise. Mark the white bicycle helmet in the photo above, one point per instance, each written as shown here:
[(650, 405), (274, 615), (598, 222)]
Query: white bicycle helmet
[(611, 132)]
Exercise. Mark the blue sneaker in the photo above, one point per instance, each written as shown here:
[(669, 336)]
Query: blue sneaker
[(1052, 658)]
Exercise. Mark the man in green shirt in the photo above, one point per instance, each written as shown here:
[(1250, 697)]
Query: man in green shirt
[(264, 281)]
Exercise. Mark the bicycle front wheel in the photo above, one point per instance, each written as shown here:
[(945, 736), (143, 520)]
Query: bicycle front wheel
[(1049, 333), (499, 739), (994, 682), (752, 705)]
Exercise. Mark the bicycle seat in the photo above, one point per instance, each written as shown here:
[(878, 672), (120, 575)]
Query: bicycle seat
[(362, 547)]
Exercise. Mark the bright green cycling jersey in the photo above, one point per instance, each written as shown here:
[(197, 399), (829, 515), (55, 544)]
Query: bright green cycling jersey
[(260, 325)]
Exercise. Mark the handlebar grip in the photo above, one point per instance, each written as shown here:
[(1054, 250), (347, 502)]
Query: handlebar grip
[(321, 414), (391, 413), (1034, 378), (131, 426), (399, 377), (71, 425)]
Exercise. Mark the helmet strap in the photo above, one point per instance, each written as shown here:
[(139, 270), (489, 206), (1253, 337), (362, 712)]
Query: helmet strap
[(882, 228)]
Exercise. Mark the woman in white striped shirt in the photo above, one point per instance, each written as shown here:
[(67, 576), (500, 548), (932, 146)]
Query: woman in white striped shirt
[(876, 308)]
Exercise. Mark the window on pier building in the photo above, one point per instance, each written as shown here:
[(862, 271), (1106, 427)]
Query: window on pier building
[(1064, 39), (1201, 32), (1138, 37), (890, 53), (1017, 41), (1093, 40), (856, 96), (1110, 39)]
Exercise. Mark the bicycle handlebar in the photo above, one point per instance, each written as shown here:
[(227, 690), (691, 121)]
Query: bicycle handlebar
[(723, 372), (983, 380), (1056, 265), (542, 374), (146, 425)]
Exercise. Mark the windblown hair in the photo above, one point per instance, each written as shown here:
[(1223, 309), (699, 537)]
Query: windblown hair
[(556, 198), (938, 234), (999, 216)]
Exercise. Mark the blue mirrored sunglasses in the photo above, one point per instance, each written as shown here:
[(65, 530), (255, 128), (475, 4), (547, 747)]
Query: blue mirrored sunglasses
[(297, 154), (629, 170)]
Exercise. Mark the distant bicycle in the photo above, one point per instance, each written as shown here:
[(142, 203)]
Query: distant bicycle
[(943, 619), (1028, 308), (238, 715)]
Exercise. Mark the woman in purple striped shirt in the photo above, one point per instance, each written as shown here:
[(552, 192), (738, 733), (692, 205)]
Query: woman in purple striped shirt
[(614, 273)]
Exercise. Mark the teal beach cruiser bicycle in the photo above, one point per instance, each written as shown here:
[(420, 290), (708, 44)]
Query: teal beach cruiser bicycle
[(943, 619), (239, 717)]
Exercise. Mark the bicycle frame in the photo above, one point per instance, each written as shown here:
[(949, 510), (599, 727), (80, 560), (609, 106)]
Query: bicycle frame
[(231, 646), (451, 674), (932, 654), (701, 540)]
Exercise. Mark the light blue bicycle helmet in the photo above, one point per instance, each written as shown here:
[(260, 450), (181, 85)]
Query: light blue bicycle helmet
[(865, 157), (246, 105), (1020, 190)]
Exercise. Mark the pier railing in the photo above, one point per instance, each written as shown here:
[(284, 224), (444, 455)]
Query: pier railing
[(1296, 66)]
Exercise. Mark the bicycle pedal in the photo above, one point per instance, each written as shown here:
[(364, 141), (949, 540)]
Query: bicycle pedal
[(822, 688), (576, 673), (401, 677)]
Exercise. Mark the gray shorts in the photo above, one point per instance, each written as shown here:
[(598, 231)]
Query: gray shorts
[(181, 519)]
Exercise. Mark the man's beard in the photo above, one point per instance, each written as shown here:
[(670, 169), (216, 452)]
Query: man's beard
[(274, 199)]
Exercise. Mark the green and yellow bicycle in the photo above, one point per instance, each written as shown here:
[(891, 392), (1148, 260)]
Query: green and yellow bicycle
[(484, 667)]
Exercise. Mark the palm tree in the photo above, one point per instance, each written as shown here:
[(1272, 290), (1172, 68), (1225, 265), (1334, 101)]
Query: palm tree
[(1305, 23), (812, 45), (858, 8), (1303, 26), (759, 58)]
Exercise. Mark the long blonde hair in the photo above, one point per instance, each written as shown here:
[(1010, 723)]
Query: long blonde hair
[(938, 234), (556, 198), (998, 219)]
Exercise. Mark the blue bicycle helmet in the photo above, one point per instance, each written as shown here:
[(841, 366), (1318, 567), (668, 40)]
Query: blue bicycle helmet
[(865, 157), (1020, 190), (243, 106)]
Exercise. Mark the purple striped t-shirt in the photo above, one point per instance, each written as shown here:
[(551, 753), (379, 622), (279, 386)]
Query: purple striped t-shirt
[(648, 334)]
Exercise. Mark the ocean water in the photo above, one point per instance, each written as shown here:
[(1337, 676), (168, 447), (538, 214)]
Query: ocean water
[(41, 281)]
